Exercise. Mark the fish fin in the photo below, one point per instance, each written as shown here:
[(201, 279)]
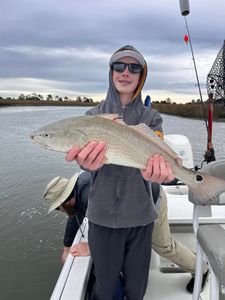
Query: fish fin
[(112, 117), (178, 160), (150, 134), (120, 121), (144, 129)]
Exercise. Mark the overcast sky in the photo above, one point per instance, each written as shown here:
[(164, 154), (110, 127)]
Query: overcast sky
[(63, 47)]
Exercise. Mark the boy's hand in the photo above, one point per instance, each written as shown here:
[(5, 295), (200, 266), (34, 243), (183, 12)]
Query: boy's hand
[(90, 157), (158, 170)]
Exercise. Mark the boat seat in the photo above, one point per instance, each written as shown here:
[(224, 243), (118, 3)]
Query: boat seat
[(211, 238), (210, 241)]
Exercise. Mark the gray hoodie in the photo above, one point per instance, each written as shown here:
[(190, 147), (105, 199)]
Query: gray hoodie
[(119, 196)]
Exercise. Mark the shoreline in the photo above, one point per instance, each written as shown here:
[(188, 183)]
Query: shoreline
[(5, 103), (192, 111)]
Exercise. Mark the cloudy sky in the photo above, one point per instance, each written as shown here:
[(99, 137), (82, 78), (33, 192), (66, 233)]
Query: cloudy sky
[(63, 47)]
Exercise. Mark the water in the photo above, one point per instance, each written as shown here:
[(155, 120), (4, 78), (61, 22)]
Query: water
[(195, 130), (31, 242)]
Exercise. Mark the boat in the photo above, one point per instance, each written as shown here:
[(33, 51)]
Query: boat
[(73, 282)]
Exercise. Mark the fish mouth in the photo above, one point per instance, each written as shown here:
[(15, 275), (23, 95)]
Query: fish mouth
[(32, 136)]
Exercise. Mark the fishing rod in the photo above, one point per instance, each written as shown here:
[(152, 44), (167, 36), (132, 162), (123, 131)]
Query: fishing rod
[(196, 72), (209, 154)]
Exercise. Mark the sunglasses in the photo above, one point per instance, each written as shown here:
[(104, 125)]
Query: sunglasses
[(121, 66)]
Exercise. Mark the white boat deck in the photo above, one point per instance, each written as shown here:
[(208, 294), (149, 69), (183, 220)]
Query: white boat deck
[(171, 286)]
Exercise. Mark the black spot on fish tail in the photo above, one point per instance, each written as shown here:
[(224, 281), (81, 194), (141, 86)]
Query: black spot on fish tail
[(199, 178)]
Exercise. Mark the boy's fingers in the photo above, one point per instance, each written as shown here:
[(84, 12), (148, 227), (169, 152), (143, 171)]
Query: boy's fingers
[(72, 153)]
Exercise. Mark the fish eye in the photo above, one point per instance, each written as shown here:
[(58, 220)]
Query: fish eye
[(45, 134), (199, 178)]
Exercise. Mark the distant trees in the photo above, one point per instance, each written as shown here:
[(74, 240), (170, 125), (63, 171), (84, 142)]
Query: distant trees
[(83, 99), (32, 96), (198, 101), (169, 101), (89, 100), (49, 97)]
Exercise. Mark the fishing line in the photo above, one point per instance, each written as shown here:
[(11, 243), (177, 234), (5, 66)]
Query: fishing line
[(209, 154), (82, 233), (196, 73)]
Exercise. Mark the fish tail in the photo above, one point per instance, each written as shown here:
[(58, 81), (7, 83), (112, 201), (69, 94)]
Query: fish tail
[(207, 189)]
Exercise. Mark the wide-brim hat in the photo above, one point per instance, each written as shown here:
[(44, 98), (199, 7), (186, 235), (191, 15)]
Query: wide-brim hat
[(58, 190)]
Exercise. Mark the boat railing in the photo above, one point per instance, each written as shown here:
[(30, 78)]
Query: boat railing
[(74, 273)]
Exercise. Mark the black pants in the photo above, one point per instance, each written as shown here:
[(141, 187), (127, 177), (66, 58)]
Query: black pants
[(121, 249)]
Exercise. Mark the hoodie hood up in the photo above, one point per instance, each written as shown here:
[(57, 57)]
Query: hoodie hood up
[(127, 50)]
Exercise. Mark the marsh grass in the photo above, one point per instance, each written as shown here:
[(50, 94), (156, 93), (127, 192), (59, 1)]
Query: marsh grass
[(195, 111)]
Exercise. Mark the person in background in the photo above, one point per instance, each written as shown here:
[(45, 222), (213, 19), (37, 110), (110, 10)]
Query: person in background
[(69, 196), (166, 246), (121, 211), (147, 102)]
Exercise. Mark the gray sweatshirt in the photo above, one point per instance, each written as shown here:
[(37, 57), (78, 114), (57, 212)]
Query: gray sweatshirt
[(119, 196)]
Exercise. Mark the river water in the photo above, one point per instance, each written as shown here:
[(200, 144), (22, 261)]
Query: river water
[(30, 241)]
